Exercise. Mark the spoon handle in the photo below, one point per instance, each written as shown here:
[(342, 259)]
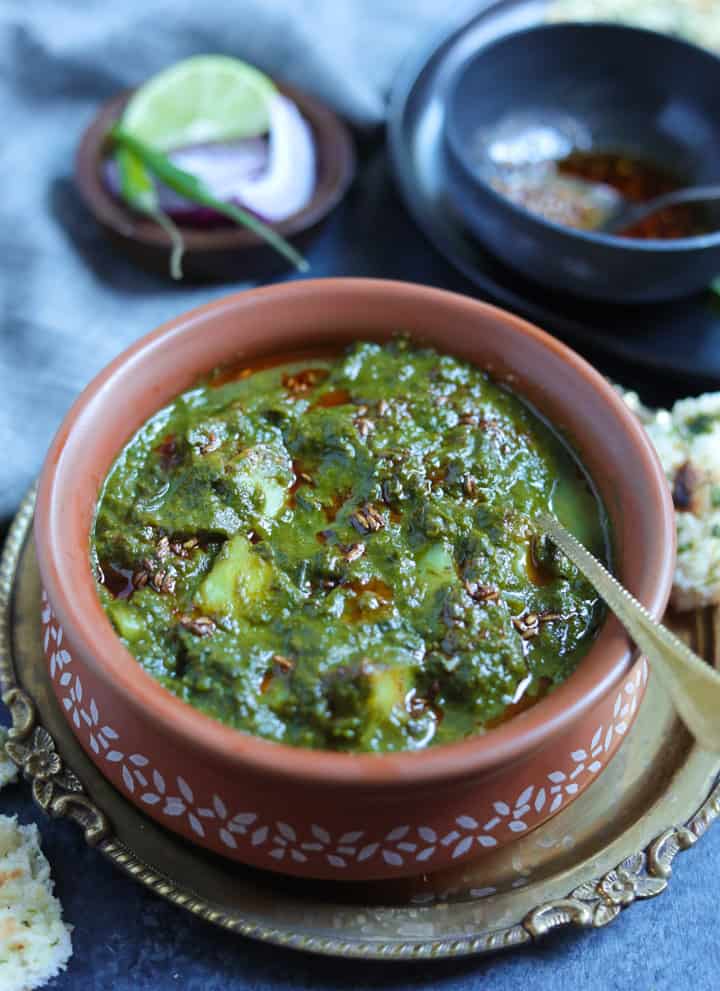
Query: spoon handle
[(692, 194), (693, 685)]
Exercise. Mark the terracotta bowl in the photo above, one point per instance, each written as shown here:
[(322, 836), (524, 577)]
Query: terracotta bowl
[(226, 251), (325, 814)]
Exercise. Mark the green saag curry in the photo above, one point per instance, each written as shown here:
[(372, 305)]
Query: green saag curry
[(339, 552)]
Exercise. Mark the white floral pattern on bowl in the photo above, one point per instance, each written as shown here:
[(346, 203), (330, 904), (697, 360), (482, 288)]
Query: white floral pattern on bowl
[(175, 801)]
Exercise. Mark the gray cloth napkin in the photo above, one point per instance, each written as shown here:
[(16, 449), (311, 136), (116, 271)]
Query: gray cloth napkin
[(68, 304)]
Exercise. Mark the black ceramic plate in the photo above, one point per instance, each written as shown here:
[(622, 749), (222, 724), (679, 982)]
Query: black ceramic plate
[(681, 338)]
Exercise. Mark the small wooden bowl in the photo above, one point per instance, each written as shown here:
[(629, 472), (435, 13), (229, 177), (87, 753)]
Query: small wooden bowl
[(225, 252)]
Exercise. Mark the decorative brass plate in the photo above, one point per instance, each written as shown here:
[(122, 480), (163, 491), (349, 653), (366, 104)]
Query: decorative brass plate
[(613, 845)]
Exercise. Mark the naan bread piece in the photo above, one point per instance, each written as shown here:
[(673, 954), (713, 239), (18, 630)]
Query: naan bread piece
[(687, 439), (34, 941), (695, 20)]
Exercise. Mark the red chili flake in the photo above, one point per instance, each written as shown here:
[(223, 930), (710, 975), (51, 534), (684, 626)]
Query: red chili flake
[(305, 380), (169, 453)]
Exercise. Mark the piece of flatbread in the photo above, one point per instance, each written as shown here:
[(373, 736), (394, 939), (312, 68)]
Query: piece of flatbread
[(695, 20), (8, 771), (687, 439), (34, 941)]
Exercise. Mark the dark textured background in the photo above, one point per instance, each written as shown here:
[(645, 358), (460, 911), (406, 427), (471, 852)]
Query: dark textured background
[(68, 304)]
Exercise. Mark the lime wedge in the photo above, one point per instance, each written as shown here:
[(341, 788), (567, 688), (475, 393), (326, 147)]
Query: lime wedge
[(201, 99)]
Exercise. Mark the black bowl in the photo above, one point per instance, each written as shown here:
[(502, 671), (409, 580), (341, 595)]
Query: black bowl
[(612, 88)]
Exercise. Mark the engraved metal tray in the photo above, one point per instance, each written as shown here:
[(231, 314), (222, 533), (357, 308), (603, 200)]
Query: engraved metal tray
[(615, 844)]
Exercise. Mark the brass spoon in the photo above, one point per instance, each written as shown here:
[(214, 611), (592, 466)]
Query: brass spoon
[(693, 685)]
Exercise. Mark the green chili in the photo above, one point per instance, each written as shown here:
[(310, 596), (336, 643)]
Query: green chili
[(188, 185), (138, 190)]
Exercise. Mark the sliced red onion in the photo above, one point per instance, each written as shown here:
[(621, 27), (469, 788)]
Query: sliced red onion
[(289, 181), (274, 177), (222, 166)]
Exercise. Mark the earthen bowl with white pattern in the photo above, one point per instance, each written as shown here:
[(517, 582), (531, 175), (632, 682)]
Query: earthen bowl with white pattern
[(322, 814)]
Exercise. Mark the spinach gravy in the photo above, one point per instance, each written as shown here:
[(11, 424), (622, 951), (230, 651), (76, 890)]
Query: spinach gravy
[(339, 552)]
